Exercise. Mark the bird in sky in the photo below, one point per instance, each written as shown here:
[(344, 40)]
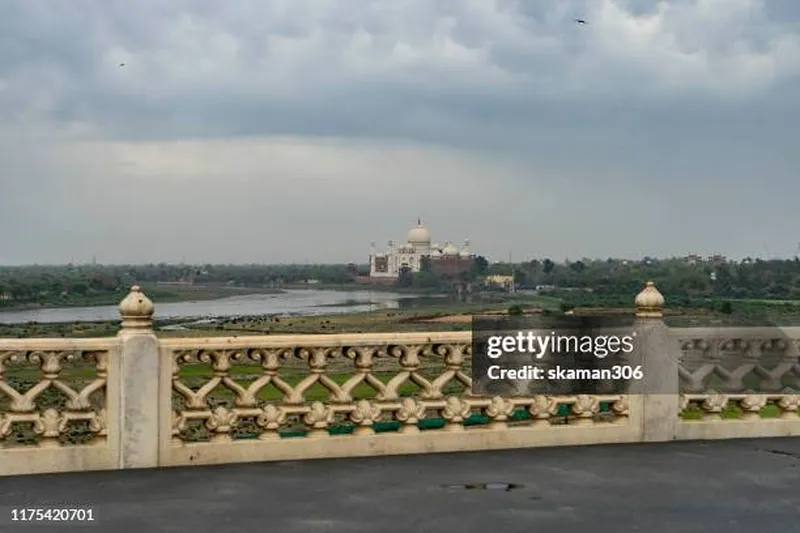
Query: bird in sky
[(581, 21), (122, 64)]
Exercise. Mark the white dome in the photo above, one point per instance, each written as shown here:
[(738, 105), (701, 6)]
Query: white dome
[(450, 249), (419, 235)]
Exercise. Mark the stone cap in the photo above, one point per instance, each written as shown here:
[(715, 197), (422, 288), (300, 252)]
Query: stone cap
[(649, 302), (136, 310)]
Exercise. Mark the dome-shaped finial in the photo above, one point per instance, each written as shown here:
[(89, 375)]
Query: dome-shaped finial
[(418, 236), (136, 310), (649, 302)]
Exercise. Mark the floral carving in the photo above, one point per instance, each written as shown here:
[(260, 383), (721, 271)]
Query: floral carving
[(455, 412), (715, 403), (365, 415), (789, 405), (499, 410), (319, 417), (221, 422), (585, 407), (271, 417), (410, 413), (179, 423), (752, 405), (50, 425), (543, 407), (621, 406), (5, 426), (99, 422)]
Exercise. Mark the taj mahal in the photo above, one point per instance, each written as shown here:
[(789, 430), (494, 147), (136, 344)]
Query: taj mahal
[(389, 263)]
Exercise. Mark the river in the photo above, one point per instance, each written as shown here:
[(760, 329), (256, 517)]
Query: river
[(307, 302)]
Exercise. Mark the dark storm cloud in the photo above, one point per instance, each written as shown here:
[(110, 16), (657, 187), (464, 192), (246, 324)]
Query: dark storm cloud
[(215, 64), (690, 102)]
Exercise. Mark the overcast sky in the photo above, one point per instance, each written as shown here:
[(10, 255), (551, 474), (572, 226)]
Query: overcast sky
[(301, 130)]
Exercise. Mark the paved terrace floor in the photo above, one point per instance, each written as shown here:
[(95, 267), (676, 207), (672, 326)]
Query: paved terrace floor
[(723, 486)]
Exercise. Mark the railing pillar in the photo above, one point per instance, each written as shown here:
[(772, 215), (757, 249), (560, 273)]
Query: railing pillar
[(139, 383), (659, 353)]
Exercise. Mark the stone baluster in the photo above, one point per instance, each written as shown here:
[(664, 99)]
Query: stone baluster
[(139, 382), (659, 354)]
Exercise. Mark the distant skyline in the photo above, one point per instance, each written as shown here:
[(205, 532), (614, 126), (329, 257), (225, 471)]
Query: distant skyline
[(365, 261), (274, 131)]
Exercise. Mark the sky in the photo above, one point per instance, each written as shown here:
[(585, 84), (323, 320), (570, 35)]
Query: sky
[(302, 130)]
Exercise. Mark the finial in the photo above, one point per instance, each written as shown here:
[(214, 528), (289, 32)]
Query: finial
[(136, 310), (649, 302)]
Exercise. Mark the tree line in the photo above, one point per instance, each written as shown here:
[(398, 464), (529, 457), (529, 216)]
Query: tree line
[(757, 279), (49, 283)]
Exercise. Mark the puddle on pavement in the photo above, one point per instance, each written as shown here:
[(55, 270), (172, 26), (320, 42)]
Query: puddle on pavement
[(504, 487)]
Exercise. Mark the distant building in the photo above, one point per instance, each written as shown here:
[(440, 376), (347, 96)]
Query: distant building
[(447, 259), (715, 259), (499, 282), (694, 259)]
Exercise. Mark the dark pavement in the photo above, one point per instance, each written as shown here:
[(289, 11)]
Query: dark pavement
[(723, 486)]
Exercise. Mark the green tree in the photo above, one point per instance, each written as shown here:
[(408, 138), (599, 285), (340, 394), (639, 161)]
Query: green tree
[(80, 288), (480, 266), (426, 279), (425, 264), (405, 278), (578, 267)]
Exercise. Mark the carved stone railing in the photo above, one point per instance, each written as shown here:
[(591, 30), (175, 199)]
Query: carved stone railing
[(399, 381), (740, 374), (55, 402), (139, 401)]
